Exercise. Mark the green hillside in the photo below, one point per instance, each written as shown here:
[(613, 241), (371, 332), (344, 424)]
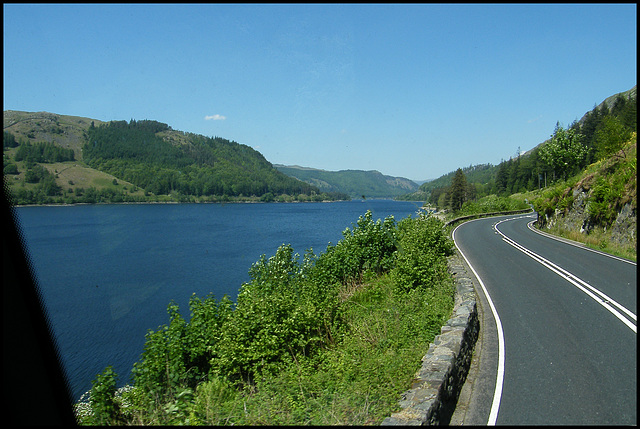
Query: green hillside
[(355, 183), (546, 163), (582, 181), (53, 159), (596, 206)]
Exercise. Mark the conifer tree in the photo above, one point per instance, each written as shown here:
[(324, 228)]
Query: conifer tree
[(458, 190)]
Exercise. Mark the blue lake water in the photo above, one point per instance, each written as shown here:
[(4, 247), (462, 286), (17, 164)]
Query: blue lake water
[(108, 272)]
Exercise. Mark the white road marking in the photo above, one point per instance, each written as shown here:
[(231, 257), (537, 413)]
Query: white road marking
[(497, 395), (598, 296), (573, 243)]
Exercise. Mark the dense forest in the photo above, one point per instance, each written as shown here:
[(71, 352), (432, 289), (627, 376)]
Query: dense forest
[(206, 166), (599, 134)]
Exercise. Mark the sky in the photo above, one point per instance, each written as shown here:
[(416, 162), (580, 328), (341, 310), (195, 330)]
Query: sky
[(409, 90)]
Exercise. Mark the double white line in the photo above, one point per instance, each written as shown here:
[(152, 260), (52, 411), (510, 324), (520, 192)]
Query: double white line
[(601, 298)]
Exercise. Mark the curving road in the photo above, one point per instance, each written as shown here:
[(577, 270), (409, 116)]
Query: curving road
[(559, 340)]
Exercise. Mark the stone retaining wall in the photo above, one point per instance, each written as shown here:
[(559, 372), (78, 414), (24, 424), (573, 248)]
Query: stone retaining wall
[(479, 215), (434, 391)]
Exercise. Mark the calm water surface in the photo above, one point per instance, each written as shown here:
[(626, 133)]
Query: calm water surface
[(108, 272)]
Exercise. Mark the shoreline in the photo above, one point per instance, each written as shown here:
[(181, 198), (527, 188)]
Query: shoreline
[(197, 202)]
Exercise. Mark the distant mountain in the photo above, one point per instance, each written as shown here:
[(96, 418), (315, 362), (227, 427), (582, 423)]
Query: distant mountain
[(355, 183), (51, 158)]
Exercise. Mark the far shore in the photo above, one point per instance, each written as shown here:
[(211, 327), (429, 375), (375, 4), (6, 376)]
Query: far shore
[(196, 202)]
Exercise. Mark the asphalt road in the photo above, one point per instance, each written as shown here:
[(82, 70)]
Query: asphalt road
[(558, 343)]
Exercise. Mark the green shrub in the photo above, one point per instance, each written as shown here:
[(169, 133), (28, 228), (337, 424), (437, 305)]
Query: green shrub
[(420, 249), (104, 408), (277, 316), (369, 246), (603, 202), (489, 204)]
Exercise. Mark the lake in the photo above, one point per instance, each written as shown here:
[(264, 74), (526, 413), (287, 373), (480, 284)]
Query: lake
[(108, 272)]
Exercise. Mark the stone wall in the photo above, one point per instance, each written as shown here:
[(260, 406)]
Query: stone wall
[(434, 391)]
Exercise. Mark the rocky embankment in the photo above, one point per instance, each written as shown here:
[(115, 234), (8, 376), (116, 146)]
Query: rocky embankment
[(603, 199), (576, 217)]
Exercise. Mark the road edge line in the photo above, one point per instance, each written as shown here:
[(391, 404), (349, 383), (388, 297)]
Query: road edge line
[(497, 395)]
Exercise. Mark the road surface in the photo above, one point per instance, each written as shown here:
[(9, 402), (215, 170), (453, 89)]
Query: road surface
[(558, 343)]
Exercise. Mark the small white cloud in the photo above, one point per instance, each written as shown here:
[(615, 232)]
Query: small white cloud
[(215, 117), (530, 121)]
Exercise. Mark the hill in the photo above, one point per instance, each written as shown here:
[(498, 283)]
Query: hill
[(355, 183), (51, 158), (527, 171), (598, 206)]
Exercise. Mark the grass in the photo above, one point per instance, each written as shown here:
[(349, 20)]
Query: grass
[(597, 239)]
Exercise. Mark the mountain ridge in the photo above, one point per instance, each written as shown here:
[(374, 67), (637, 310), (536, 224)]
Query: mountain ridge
[(355, 183)]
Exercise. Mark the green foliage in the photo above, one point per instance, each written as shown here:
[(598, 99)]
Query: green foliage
[(35, 174), (360, 379), (564, 152), (214, 401), (142, 153), (611, 135), (355, 183), (613, 189), (178, 356), (611, 184), (490, 204), (369, 246), (421, 245), (8, 140), (598, 134), (273, 319), (46, 181), (10, 168), (105, 409), (307, 339), (603, 201), (43, 152), (458, 190)]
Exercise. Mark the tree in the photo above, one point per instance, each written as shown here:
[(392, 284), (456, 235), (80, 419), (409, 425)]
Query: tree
[(564, 152), (610, 136), (502, 177), (9, 140), (458, 193)]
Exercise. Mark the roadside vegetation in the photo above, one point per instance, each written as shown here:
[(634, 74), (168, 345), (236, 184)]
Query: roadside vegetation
[(324, 339), (610, 185), (582, 181)]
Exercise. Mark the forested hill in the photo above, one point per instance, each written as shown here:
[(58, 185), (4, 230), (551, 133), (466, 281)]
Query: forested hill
[(355, 183), (142, 160), (568, 152)]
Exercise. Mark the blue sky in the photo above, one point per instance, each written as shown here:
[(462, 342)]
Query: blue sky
[(409, 90)]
